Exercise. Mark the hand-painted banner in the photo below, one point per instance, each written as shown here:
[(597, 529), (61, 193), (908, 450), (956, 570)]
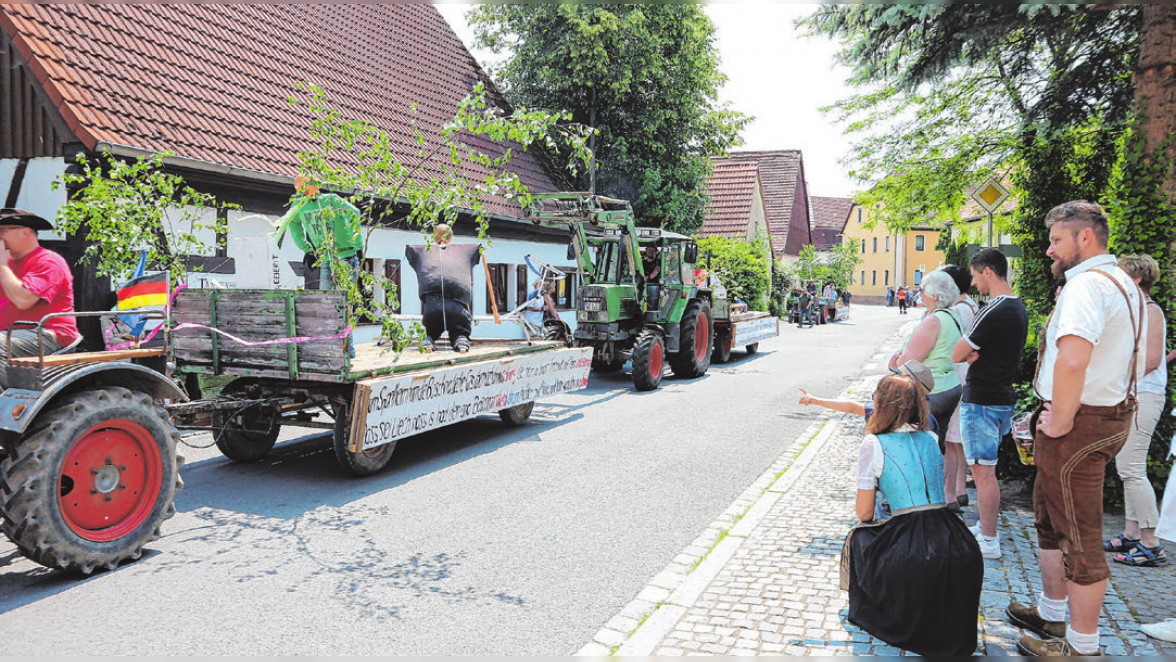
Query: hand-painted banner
[(754, 331), (390, 408)]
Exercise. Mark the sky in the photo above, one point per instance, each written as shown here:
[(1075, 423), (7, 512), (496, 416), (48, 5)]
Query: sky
[(775, 75)]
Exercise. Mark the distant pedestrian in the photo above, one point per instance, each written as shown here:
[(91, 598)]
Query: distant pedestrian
[(889, 296), (902, 300), (1086, 380), (914, 581), (992, 345)]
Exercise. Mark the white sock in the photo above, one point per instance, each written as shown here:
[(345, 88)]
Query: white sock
[(1086, 644), (1051, 610)]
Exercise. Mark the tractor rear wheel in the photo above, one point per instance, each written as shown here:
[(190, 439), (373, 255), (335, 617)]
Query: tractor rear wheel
[(359, 463), (516, 415), (93, 481), (697, 341), (724, 343), (648, 358)]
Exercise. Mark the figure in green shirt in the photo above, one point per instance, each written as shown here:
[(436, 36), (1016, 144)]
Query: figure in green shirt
[(316, 219)]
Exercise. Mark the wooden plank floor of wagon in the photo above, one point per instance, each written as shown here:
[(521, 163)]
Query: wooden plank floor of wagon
[(372, 360)]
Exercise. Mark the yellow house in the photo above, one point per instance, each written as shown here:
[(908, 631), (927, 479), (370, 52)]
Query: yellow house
[(889, 259)]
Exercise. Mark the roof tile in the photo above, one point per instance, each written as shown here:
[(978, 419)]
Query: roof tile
[(209, 81), (779, 172)]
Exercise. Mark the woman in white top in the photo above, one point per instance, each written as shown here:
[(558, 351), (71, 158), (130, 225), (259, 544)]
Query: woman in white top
[(1138, 544)]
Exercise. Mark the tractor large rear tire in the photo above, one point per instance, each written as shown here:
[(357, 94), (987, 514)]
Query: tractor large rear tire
[(247, 434), (697, 341), (648, 358), (92, 482), (361, 463)]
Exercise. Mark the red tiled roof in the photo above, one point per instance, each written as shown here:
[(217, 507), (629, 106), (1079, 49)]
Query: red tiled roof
[(731, 188), (210, 82), (779, 173), (829, 218)]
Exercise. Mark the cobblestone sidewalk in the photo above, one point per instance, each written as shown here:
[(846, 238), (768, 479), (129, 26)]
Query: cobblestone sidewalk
[(763, 578)]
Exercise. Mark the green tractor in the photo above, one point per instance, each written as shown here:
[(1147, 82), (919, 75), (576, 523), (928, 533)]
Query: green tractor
[(639, 299)]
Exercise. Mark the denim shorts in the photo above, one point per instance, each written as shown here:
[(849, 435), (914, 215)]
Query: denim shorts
[(982, 427)]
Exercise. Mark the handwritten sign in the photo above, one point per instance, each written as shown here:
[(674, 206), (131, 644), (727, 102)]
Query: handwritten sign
[(754, 331), (391, 408)]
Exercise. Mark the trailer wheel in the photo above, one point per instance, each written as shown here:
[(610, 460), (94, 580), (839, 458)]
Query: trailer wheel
[(362, 463), (752, 348), (723, 346), (604, 362), (516, 415), (648, 358), (697, 341), (93, 481), (247, 434)]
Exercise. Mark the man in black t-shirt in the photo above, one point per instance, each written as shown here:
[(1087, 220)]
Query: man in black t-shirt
[(992, 345)]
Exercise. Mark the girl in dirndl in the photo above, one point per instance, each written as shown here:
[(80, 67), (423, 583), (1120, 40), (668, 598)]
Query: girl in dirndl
[(914, 581)]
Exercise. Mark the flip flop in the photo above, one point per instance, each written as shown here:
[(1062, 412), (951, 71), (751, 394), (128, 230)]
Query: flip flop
[(1146, 557), (1120, 543)]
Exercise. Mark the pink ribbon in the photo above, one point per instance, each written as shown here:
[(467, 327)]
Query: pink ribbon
[(277, 341)]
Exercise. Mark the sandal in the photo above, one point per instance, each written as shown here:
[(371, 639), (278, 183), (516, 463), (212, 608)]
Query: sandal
[(1147, 557), (1120, 543)]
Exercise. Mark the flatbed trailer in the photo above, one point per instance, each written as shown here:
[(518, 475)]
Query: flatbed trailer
[(286, 352), (735, 326)]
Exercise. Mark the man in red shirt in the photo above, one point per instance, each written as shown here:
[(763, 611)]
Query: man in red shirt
[(35, 282)]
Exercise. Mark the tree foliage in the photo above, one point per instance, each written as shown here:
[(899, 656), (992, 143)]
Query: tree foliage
[(356, 158), (742, 267), (122, 207), (833, 266), (645, 77), (953, 92)]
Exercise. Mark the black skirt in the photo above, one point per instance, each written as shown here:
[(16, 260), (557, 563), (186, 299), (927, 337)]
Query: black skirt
[(915, 583)]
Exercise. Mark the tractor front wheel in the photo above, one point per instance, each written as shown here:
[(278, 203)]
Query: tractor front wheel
[(697, 341), (648, 358), (92, 482)]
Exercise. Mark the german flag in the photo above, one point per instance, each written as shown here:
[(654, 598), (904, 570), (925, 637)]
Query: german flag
[(144, 292)]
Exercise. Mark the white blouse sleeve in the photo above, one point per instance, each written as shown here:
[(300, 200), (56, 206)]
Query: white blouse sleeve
[(870, 462)]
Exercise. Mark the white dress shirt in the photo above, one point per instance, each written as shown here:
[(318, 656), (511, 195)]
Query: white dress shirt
[(1091, 307)]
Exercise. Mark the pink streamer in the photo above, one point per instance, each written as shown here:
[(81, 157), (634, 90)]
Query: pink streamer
[(277, 341)]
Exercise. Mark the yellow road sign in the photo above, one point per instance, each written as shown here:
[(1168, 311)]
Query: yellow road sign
[(990, 195)]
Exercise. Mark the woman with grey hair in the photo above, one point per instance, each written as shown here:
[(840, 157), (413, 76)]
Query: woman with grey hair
[(931, 343)]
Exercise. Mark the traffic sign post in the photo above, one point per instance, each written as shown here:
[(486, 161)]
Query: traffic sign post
[(990, 196)]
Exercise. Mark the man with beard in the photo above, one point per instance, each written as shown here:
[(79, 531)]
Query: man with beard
[(1086, 380)]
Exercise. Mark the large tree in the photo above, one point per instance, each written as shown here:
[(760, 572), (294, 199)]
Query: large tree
[(954, 92), (646, 77)]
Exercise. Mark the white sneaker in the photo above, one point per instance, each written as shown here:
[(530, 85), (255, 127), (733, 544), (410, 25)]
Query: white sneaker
[(1164, 630), (975, 529), (989, 547)]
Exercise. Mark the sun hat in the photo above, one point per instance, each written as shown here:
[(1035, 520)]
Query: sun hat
[(920, 372), (13, 216)]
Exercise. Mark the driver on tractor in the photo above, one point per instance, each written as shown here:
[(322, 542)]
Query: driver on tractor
[(35, 282)]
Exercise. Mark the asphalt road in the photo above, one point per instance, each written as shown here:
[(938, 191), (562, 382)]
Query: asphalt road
[(476, 540)]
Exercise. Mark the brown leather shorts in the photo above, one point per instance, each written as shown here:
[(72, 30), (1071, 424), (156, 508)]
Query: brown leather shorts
[(1068, 494)]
